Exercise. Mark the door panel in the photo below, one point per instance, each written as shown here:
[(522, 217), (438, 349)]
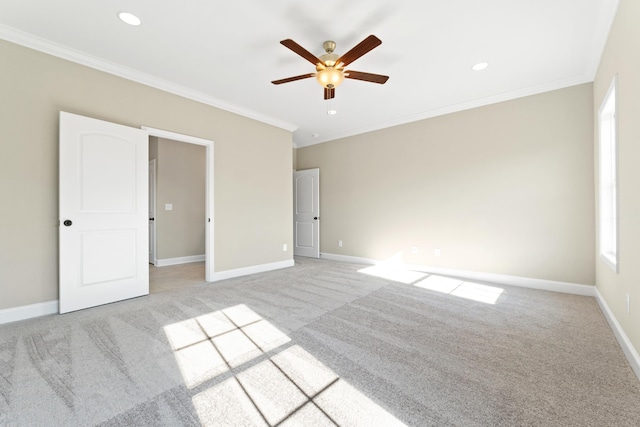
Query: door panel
[(103, 232), (304, 235), (306, 215), (108, 174), (304, 194), (108, 256)]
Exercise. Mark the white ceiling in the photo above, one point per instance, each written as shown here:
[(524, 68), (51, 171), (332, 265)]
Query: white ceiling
[(226, 53)]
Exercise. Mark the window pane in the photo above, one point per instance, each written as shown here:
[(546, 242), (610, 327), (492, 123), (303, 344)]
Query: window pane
[(607, 221)]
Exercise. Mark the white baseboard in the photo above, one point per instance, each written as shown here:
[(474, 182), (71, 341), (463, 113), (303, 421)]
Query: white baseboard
[(245, 271), (500, 279), (632, 355), (180, 260), (28, 311), (346, 258)]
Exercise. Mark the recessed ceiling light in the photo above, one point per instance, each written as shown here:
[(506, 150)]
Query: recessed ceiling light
[(480, 66), (129, 18), (332, 112)]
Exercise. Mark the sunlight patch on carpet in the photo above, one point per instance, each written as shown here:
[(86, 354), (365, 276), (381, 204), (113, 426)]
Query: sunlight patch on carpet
[(459, 288), (287, 385), (394, 273)]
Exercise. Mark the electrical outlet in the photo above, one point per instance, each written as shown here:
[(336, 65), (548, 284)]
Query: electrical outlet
[(339, 243), (284, 248), (437, 252), (628, 302), (414, 249)]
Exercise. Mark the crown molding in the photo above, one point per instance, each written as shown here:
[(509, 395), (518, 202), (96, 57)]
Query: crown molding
[(46, 46)]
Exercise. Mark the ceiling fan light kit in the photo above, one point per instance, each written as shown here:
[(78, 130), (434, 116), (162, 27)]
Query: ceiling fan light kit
[(330, 77), (329, 73), (330, 68)]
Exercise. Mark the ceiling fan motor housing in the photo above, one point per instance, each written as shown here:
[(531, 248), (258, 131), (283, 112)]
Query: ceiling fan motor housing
[(329, 46)]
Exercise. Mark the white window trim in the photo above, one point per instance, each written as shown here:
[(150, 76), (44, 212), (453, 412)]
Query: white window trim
[(610, 258)]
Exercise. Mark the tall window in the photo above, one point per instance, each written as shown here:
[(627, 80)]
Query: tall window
[(608, 182)]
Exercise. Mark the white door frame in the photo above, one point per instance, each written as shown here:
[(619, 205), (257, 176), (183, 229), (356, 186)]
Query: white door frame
[(152, 212), (208, 144)]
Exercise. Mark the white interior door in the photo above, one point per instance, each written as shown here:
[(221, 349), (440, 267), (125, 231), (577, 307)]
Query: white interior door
[(103, 194), (306, 213), (152, 211)]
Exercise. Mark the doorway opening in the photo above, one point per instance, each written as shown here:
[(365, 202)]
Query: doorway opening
[(183, 270), (175, 276)]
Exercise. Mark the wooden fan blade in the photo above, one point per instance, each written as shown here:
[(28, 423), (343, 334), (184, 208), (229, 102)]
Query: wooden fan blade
[(360, 49), (293, 79), (329, 93), (301, 51), (366, 77)]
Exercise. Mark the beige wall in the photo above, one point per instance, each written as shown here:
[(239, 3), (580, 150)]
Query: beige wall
[(253, 184), (621, 57), (295, 158), (181, 174), (507, 189)]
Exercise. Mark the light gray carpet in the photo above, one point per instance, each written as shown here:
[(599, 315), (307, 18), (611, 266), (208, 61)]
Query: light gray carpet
[(321, 344)]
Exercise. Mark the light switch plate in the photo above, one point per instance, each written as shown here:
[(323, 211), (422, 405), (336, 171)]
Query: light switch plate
[(168, 206)]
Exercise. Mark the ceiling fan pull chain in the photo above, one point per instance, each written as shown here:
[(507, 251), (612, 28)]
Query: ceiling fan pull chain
[(330, 111)]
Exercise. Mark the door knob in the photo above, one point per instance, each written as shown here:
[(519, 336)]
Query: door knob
[(67, 222), (315, 218)]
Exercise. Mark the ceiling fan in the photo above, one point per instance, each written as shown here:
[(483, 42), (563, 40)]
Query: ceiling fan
[(330, 70)]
